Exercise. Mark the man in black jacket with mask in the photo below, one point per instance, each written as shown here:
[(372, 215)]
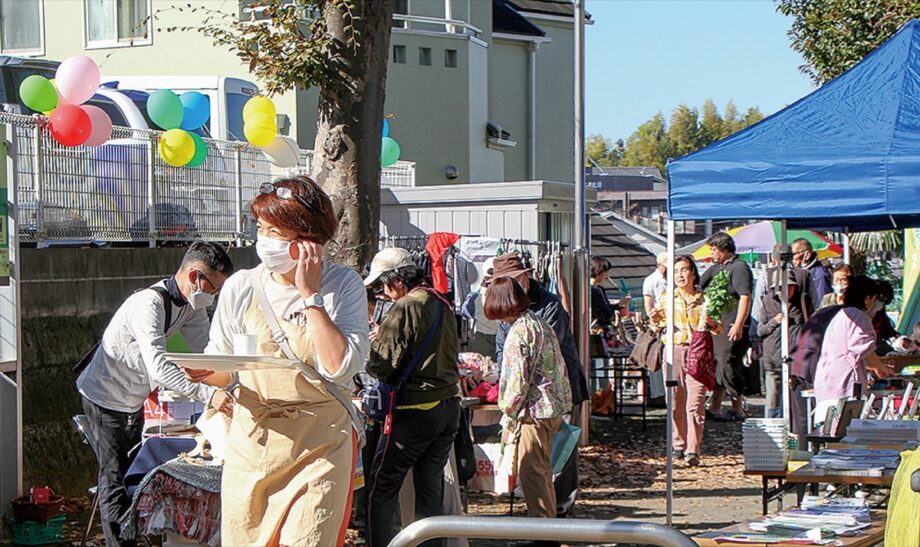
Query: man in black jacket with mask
[(547, 306)]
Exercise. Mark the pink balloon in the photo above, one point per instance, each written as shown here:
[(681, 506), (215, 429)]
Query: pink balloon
[(102, 125), (77, 79)]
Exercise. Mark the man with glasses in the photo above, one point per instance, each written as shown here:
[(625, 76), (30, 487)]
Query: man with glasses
[(130, 361), (805, 257)]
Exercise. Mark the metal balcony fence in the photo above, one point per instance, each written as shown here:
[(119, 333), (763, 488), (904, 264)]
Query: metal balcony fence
[(124, 192)]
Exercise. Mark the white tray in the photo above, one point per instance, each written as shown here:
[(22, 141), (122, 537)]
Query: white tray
[(229, 363)]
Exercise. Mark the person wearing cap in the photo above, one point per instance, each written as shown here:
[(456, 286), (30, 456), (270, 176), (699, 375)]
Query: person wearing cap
[(547, 307), (427, 414), (655, 283), (769, 330)]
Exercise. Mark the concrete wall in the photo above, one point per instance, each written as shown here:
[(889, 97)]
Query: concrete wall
[(555, 102), (68, 297), (508, 106)]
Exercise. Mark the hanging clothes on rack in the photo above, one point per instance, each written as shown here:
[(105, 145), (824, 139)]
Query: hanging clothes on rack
[(478, 249)]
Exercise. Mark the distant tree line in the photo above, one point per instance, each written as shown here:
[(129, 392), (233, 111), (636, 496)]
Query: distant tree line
[(657, 140)]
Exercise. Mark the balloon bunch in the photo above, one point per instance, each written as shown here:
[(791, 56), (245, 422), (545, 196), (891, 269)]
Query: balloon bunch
[(389, 148), (72, 122), (260, 127), (179, 115)]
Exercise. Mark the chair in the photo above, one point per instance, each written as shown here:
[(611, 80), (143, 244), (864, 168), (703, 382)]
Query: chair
[(82, 424)]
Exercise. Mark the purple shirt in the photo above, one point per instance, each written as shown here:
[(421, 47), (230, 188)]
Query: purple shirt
[(848, 340)]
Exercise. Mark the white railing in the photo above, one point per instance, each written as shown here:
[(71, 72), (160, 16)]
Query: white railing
[(123, 192), (434, 24)]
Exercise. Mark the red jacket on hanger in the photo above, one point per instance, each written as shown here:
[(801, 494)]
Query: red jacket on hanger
[(438, 243)]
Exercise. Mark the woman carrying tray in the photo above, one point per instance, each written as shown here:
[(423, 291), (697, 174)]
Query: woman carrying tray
[(291, 449)]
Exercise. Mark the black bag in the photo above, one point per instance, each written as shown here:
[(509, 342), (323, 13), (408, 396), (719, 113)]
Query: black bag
[(647, 351), (380, 398), (463, 448), (88, 357)]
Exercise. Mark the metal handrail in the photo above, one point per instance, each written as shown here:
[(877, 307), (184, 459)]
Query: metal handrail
[(537, 529)]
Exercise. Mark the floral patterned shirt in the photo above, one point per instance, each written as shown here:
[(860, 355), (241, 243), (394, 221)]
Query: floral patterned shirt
[(531, 345)]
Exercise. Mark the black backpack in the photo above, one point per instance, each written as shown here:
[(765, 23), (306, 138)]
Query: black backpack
[(88, 357)]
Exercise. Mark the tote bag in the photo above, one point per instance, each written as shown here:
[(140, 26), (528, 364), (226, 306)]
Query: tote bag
[(701, 361)]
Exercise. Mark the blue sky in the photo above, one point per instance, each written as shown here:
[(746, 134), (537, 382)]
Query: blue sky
[(645, 56)]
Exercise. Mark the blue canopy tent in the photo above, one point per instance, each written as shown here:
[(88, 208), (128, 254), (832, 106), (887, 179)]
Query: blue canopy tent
[(845, 158)]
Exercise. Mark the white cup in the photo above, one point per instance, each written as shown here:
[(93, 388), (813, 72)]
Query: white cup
[(245, 344)]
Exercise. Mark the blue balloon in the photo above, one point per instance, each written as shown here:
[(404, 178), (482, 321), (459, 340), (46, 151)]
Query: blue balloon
[(196, 109), (386, 128)]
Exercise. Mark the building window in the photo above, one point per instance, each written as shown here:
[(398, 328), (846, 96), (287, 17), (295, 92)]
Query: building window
[(399, 54), (117, 22), (450, 58), (424, 56), (400, 7), (22, 29)]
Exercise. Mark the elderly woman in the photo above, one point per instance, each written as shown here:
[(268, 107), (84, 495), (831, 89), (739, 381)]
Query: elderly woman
[(689, 414), (291, 450), (534, 391), (848, 350), (840, 278)]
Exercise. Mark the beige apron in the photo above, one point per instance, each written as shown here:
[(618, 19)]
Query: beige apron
[(291, 452)]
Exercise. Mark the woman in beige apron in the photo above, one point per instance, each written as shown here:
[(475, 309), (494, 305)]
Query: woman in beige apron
[(289, 466)]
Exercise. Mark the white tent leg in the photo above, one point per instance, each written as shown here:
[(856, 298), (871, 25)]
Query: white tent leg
[(846, 246), (784, 347), (669, 374)]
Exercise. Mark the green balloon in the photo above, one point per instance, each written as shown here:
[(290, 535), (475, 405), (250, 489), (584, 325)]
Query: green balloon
[(201, 151), (165, 109), (38, 93), (389, 151)]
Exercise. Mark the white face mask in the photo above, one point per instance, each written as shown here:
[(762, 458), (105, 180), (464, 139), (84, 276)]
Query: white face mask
[(199, 299), (275, 254), (838, 289)]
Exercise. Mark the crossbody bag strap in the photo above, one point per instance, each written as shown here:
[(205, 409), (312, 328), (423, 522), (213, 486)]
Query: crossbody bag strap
[(280, 338), (426, 342), (167, 306)]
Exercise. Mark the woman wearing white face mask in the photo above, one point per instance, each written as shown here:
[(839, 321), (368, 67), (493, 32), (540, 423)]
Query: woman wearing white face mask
[(839, 280), (289, 465)]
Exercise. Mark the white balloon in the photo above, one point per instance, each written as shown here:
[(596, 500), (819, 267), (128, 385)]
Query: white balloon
[(283, 152)]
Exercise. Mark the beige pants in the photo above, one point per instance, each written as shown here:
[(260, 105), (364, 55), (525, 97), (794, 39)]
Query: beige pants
[(534, 470), (689, 406)]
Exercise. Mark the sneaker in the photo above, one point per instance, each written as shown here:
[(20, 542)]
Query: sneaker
[(678, 454), (692, 459)]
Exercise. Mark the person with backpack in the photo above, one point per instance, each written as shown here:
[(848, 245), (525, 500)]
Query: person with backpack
[(414, 353), (118, 375)]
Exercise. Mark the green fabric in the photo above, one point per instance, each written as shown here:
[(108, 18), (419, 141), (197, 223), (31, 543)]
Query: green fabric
[(400, 337), (177, 344), (903, 526)]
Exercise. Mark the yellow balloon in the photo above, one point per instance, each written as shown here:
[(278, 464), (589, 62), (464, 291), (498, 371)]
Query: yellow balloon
[(260, 129), (176, 147), (48, 113), (258, 105)]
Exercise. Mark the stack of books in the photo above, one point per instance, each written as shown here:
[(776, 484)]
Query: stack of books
[(765, 444), (860, 462), (883, 432)]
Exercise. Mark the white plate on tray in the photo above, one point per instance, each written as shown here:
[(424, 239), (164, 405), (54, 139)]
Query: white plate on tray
[(229, 363)]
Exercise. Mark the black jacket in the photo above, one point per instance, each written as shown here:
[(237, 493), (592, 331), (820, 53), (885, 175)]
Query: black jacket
[(547, 306)]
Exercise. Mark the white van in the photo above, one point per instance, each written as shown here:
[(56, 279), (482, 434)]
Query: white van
[(227, 96)]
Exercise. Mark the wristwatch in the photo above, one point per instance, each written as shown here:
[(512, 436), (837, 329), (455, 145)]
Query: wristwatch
[(315, 301)]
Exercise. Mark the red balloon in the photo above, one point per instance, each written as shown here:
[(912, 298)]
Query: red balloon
[(70, 125)]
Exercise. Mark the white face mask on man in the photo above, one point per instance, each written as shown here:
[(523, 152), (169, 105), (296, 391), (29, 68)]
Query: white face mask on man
[(275, 254), (198, 299)]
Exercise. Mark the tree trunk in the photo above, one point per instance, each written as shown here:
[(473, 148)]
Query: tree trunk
[(346, 160)]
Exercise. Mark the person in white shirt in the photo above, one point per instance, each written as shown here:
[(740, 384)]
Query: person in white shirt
[(130, 362), (656, 283), (291, 448)]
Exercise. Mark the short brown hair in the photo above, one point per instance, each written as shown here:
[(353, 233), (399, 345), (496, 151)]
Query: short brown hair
[(599, 265), (309, 213), (506, 298)]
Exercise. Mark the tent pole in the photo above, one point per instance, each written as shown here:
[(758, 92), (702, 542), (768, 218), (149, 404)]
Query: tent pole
[(846, 245), (669, 374), (581, 243), (784, 344)]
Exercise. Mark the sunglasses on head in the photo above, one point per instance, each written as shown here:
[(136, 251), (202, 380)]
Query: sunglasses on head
[(282, 192)]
